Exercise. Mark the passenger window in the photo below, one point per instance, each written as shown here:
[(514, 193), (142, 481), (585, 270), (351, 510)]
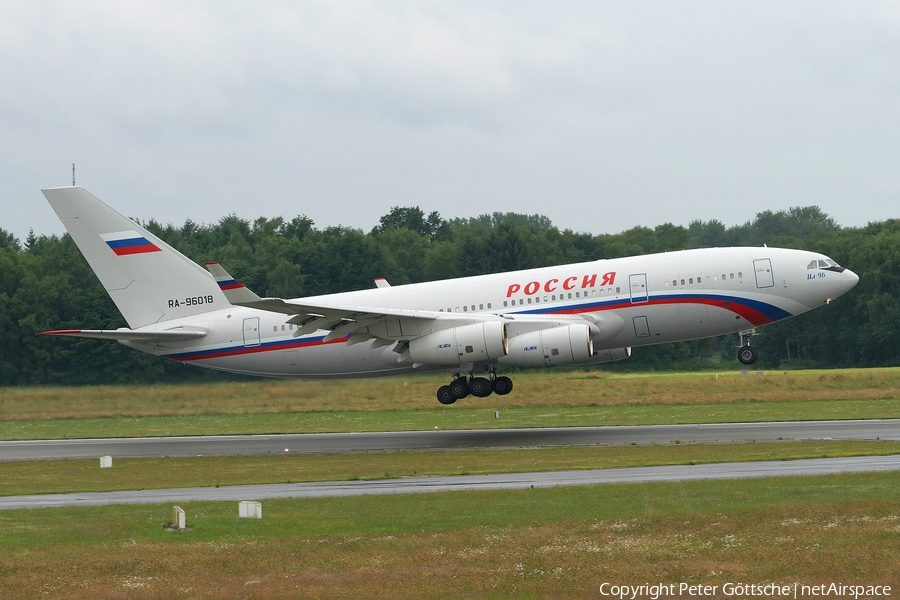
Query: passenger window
[(481, 307), (504, 303), (618, 289), (529, 300), (465, 308), (553, 297), (473, 308), (715, 277), (732, 275), (441, 310), (275, 329), (740, 275), (707, 279), (457, 309), (521, 302), (489, 305), (537, 299), (682, 282), (545, 298), (282, 327), (723, 277), (691, 281)]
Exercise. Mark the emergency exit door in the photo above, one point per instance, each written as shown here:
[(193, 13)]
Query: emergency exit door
[(637, 286), (763, 270), (251, 331)]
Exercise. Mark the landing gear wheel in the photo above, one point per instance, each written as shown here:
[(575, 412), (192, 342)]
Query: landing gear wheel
[(747, 355), (502, 385), (444, 396), (458, 388), (480, 387)]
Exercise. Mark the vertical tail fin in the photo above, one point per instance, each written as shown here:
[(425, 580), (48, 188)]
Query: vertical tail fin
[(148, 280)]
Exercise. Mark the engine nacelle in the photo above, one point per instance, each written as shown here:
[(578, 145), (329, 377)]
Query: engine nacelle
[(613, 354), (566, 345), (459, 345)]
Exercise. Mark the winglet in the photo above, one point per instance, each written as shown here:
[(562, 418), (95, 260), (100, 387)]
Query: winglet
[(234, 290), (381, 282)]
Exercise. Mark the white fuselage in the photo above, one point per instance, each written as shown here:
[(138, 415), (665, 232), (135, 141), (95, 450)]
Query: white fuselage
[(632, 301)]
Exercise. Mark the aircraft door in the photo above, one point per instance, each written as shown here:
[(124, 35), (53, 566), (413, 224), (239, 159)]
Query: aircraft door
[(251, 331), (641, 327), (763, 270), (637, 286)]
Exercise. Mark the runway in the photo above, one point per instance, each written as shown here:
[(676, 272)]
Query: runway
[(334, 443), (501, 481)]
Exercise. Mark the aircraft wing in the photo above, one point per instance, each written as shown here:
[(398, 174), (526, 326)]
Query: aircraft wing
[(399, 324), (363, 322), (175, 335), (386, 324)]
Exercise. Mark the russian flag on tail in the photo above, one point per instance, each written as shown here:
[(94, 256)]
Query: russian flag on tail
[(129, 242), (229, 284)]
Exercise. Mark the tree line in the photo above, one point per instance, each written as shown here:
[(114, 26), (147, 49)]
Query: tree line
[(46, 284)]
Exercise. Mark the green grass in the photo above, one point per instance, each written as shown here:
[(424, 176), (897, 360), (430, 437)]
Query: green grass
[(458, 416), (540, 399), (559, 542), (64, 476)]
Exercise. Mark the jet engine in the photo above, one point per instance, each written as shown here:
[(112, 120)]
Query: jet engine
[(613, 354), (567, 345), (460, 345)]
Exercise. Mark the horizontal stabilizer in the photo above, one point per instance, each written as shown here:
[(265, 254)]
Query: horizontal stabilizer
[(174, 335)]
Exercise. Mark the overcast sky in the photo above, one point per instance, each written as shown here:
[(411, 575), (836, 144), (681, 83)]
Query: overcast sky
[(600, 115)]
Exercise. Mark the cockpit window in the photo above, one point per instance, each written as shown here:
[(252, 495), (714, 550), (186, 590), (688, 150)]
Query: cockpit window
[(827, 264)]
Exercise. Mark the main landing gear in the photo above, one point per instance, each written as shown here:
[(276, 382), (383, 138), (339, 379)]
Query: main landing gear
[(747, 354), (464, 384)]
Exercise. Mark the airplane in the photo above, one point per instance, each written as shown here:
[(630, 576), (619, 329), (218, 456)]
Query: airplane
[(576, 314)]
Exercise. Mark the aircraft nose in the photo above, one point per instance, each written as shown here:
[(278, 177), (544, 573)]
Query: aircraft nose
[(849, 280)]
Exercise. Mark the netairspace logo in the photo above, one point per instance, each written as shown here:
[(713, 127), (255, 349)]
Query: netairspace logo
[(743, 590)]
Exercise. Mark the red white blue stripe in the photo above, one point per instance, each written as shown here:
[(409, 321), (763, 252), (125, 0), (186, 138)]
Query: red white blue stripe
[(124, 243), (229, 284), (756, 312)]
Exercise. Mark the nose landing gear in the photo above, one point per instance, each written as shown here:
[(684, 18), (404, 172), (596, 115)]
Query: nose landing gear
[(481, 387)]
